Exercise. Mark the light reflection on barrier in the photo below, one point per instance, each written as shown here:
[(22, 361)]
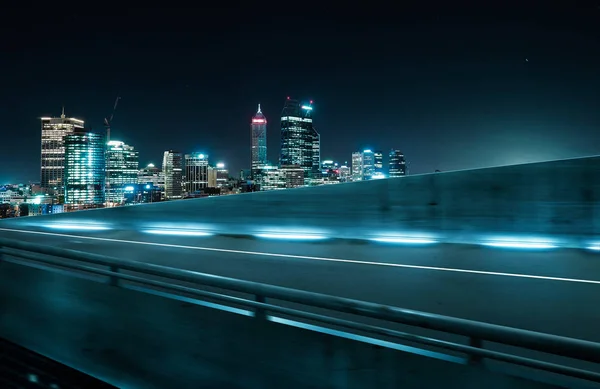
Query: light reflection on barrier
[(291, 236), (521, 243), (177, 232), (403, 240), (77, 227)]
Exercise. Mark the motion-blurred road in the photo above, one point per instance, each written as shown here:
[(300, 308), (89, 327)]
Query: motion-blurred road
[(553, 291)]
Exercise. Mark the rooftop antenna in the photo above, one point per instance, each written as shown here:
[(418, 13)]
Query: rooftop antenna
[(62, 115), (259, 108)]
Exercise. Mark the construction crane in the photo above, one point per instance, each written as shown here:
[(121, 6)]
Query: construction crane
[(108, 121)]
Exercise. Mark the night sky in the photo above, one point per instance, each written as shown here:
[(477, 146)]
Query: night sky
[(453, 88)]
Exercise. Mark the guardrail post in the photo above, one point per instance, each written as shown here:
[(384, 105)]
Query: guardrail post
[(475, 342), (114, 280), (260, 313)]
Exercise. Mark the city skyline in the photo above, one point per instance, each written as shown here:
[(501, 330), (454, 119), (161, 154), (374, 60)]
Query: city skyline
[(451, 95)]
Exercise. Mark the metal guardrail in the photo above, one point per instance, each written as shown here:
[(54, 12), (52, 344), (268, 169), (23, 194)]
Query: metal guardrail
[(476, 332)]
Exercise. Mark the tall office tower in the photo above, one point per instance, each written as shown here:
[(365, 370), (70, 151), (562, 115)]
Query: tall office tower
[(258, 128), (300, 142), (357, 166), (222, 175), (173, 172), (54, 131), (397, 164), (196, 172), (368, 161), (378, 162), (122, 164), (84, 168)]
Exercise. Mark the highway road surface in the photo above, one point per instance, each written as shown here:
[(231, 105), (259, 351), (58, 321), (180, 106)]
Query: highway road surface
[(553, 290)]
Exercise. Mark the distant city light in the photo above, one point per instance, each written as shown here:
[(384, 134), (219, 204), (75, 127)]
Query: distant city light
[(150, 165), (367, 151), (311, 101), (220, 165), (258, 120), (307, 107), (129, 188), (201, 156), (147, 186)]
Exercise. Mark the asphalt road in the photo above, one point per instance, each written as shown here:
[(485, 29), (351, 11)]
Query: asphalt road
[(553, 291)]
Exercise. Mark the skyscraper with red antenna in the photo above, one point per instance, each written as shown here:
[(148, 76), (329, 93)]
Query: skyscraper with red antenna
[(258, 127)]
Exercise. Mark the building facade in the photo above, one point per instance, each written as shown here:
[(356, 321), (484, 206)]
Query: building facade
[(151, 174), (368, 162), (378, 163), (84, 168), (258, 128), (222, 175), (54, 131), (196, 172), (300, 142), (122, 165), (357, 166), (173, 172), (397, 164)]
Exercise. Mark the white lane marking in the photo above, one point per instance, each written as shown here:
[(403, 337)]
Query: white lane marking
[(324, 259)]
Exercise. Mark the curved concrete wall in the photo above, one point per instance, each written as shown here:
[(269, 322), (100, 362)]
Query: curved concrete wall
[(550, 198)]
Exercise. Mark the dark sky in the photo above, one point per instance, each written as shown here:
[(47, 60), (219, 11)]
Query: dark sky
[(453, 88)]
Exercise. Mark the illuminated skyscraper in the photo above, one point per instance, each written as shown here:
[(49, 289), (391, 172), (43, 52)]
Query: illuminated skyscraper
[(84, 168), (54, 131), (368, 162), (357, 166), (122, 166), (196, 172), (151, 174), (397, 164), (378, 158), (222, 175), (258, 128), (173, 171), (300, 142)]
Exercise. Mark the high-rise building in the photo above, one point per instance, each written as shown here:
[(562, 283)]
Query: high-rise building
[(196, 172), (173, 172), (122, 164), (300, 142), (397, 164), (357, 166), (368, 161), (378, 162), (151, 174), (258, 128), (222, 175), (54, 131), (84, 168)]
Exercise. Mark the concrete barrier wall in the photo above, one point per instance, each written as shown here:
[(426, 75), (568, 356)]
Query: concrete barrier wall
[(550, 198), (136, 340)]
